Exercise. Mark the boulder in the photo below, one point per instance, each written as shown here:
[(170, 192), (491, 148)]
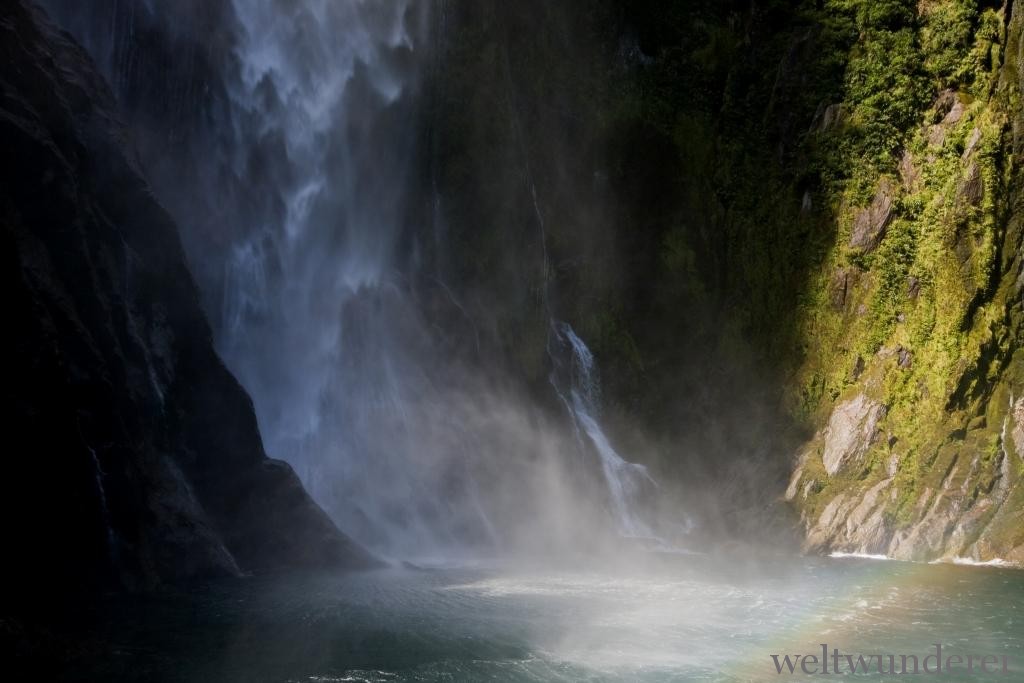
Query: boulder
[(870, 224), (972, 187), (1017, 426), (850, 432)]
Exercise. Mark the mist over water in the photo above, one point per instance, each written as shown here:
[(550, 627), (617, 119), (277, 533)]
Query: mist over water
[(687, 619)]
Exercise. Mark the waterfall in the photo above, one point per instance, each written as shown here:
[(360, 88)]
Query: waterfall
[(292, 186), (627, 482), (318, 320), (321, 84)]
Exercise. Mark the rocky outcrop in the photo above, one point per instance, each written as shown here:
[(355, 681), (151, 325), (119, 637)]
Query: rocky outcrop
[(856, 524), (1013, 430), (939, 339), (850, 432), (134, 455), (963, 511), (870, 223)]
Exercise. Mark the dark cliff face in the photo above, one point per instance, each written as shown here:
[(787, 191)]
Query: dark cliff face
[(165, 65), (133, 454)]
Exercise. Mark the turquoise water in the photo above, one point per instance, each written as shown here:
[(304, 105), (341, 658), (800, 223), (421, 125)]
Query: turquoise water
[(680, 619)]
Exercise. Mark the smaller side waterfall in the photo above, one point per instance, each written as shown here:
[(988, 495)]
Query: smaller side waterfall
[(628, 483), (101, 494)]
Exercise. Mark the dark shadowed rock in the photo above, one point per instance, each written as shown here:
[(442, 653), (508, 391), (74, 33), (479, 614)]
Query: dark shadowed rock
[(828, 117), (839, 288), (870, 224), (858, 368), (972, 144), (913, 287), (140, 461), (910, 174), (955, 113), (972, 187), (945, 102)]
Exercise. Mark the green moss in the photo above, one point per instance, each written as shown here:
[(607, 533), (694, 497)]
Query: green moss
[(936, 287), (947, 36)]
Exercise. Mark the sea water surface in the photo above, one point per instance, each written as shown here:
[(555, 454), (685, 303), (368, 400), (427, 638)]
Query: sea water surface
[(684, 618)]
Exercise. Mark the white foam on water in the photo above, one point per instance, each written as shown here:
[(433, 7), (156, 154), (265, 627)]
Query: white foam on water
[(971, 562), (860, 556)]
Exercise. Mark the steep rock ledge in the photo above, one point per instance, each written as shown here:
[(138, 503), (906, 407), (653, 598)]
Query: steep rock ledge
[(928, 324), (134, 456)]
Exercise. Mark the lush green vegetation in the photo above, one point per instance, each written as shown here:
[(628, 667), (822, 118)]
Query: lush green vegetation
[(700, 170)]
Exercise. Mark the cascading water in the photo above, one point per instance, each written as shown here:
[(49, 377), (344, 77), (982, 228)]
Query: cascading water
[(627, 482), (317, 321), (324, 99)]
